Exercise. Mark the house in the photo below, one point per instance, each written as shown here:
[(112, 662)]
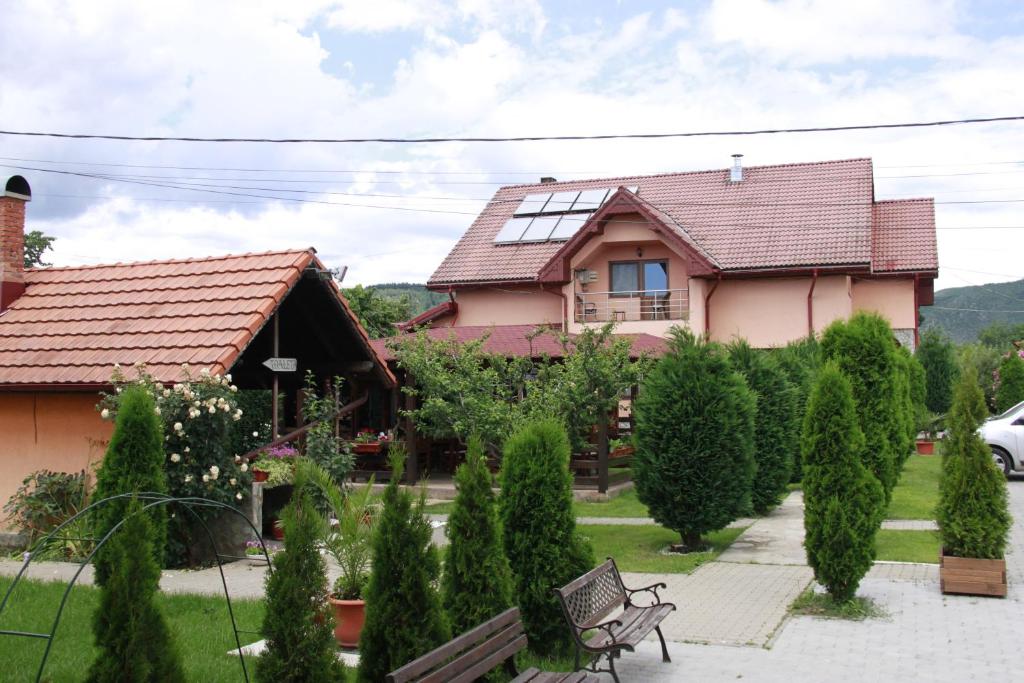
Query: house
[(63, 329), (768, 253)]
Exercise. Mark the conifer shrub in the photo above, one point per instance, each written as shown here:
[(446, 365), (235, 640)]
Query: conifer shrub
[(842, 499), (544, 549), (477, 582), (1010, 391), (777, 423), (906, 427), (865, 351), (134, 462), (298, 626), (404, 616), (694, 459), (973, 511), (134, 643), (801, 360), (938, 358)]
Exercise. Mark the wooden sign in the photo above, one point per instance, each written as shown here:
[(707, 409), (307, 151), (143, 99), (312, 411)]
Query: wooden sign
[(282, 364)]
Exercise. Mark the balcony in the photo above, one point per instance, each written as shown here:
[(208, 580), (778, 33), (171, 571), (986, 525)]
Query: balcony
[(602, 307)]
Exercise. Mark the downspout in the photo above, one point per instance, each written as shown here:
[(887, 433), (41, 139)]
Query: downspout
[(810, 304), (707, 306), (917, 316), (455, 307)]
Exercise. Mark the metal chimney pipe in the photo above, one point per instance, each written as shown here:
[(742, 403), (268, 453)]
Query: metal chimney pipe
[(736, 174)]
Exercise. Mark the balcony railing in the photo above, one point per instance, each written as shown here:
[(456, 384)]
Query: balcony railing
[(662, 304)]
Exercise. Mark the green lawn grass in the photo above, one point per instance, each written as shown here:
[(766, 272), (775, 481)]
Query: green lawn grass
[(917, 492), (895, 545), (200, 625), (638, 548)]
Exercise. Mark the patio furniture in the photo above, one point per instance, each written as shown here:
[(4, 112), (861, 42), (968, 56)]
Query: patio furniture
[(588, 601), (478, 651)]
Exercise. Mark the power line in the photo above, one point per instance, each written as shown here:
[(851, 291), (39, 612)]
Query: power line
[(975, 310), (524, 138)]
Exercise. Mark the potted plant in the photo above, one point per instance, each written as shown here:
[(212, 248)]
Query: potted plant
[(929, 425), (275, 466), (368, 443), (255, 553)]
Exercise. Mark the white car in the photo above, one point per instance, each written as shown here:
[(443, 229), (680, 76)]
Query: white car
[(1004, 434)]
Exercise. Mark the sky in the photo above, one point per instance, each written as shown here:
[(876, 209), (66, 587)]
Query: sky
[(410, 68)]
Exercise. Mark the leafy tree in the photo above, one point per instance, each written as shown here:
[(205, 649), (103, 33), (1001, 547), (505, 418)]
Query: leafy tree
[(36, 246), (131, 632), (694, 459), (322, 445), (801, 360), (938, 357), (298, 626), (777, 422), (842, 499), (544, 549), (134, 462), (1000, 335), (404, 617), (973, 511), (1010, 390), (477, 581), (378, 314), (984, 362), (865, 351)]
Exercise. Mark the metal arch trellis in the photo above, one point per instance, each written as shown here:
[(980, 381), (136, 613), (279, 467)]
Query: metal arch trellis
[(154, 500)]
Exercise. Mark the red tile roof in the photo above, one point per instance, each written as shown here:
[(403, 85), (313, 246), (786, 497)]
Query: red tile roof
[(441, 310), (73, 324), (903, 237), (790, 215), (513, 340)]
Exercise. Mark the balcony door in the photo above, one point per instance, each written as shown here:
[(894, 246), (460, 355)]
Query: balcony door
[(643, 280)]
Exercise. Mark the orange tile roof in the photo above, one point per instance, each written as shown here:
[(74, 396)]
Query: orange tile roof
[(73, 324), (904, 236)]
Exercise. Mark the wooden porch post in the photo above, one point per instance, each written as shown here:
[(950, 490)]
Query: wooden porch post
[(412, 474), (602, 455)]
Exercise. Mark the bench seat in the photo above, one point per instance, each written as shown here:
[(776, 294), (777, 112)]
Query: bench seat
[(637, 622)]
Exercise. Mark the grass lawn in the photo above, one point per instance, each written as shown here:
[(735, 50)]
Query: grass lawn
[(638, 548), (907, 546), (200, 625), (822, 605), (917, 492)]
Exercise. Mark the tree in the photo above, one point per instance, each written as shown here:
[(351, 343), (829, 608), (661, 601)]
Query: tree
[(36, 245), (973, 511), (801, 361), (842, 499), (938, 357), (777, 423), (544, 549), (477, 582), (404, 617), (134, 643), (906, 425), (134, 462), (984, 362), (1010, 390), (378, 314), (1000, 335), (694, 459), (298, 626)]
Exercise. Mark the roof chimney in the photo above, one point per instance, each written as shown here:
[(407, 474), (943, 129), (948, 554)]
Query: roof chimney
[(548, 179), (736, 173), (12, 240)]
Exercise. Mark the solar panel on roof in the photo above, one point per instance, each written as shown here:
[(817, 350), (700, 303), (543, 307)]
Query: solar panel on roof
[(561, 201), (590, 200), (568, 226), (513, 230), (533, 203), (540, 228)]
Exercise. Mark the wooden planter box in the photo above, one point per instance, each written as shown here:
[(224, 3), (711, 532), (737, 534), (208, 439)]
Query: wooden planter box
[(371, 448), (925, 447), (970, 576)]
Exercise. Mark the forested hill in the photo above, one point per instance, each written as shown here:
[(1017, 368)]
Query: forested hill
[(420, 298), (976, 308)]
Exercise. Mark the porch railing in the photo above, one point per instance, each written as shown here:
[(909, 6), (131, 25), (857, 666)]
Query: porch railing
[(662, 304)]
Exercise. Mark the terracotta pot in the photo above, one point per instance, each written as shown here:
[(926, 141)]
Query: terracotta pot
[(278, 531), (260, 475), (349, 616), (925, 447), (971, 576)]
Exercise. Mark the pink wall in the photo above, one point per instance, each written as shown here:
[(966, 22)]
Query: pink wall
[(891, 297), (506, 306), (766, 311)]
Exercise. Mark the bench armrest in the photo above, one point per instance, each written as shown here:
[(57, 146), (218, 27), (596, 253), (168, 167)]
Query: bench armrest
[(605, 626), (652, 589)]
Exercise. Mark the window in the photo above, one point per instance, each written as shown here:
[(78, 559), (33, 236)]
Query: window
[(630, 277)]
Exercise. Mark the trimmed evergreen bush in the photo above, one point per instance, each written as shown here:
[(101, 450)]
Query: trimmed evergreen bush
[(973, 511), (1011, 382), (404, 617), (777, 423), (477, 581), (694, 459), (801, 361), (134, 462), (842, 499), (938, 357), (544, 549), (135, 645), (906, 425), (298, 624)]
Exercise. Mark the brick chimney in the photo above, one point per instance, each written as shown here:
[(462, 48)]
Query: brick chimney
[(12, 239)]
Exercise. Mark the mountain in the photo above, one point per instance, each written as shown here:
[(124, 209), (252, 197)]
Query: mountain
[(962, 312), (420, 297)]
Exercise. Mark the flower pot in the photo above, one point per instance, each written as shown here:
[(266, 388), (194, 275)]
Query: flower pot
[(925, 447), (278, 532), (260, 475), (370, 448), (971, 576), (349, 616)]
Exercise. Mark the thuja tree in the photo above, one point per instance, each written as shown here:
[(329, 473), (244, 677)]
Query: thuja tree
[(544, 549), (842, 499), (477, 582), (904, 402), (1010, 388), (134, 462), (865, 351), (134, 643), (777, 423), (801, 360), (298, 626), (694, 459), (973, 511), (938, 358), (404, 616)]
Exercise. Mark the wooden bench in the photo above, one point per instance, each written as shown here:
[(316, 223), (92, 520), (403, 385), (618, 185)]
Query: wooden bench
[(476, 652), (587, 603)]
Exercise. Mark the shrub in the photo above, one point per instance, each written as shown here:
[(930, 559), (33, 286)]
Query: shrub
[(842, 499), (45, 500), (694, 459), (134, 462), (777, 423), (132, 637), (973, 511), (322, 446), (1010, 390), (906, 425), (404, 617), (801, 361), (938, 358), (477, 582), (298, 625), (544, 549)]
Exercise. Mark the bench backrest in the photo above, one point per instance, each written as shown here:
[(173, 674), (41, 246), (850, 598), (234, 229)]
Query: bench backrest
[(590, 599), (469, 656)]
